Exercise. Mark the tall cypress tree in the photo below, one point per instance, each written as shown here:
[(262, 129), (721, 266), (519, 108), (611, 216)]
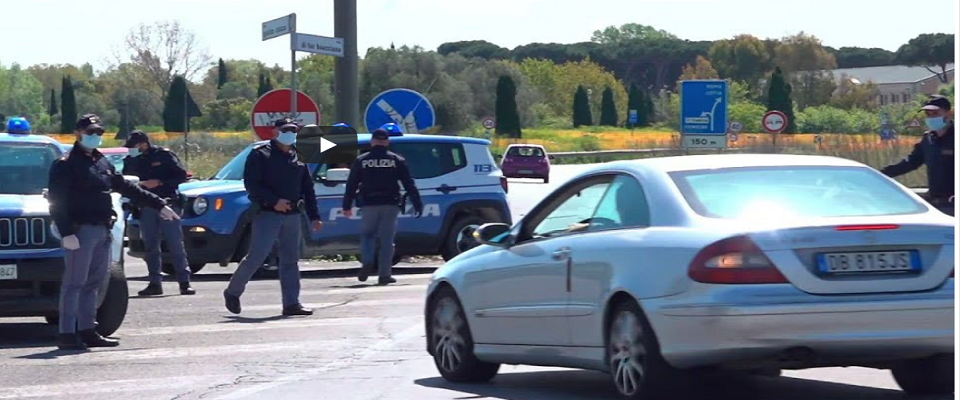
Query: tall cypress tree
[(222, 76), (508, 118), (52, 108), (265, 85), (779, 99), (647, 108), (68, 106), (608, 108), (581, 108), (634, 102), (179, 106)]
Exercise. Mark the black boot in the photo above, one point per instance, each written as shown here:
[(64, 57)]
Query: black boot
[(185, 289), (364, 273), (297, 309), (153, 289), (231, 302), (386, 281), (70, 341), (91, 338)]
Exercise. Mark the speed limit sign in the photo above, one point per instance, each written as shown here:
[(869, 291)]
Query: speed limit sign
[(774, 122)]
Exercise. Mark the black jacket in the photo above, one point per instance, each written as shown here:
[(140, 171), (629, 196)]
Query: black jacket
[(937, 154), (80, 187), (161, 164), (376, 175), (271, 174)]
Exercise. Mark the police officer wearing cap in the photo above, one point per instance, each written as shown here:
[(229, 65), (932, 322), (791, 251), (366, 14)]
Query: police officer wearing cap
[(160, 172), (935, 150), (375, 174), (82, 210), (280, 187)]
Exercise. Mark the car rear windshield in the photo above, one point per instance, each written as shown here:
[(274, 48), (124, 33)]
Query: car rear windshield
[(25, 167), (793, 192), (525, 152)]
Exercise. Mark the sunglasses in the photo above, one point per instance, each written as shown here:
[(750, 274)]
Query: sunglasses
[(98, 132), (288, 131)]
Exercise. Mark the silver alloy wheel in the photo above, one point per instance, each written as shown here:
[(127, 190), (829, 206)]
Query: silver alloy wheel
[(448, 341), (465, 240), (627, 353)]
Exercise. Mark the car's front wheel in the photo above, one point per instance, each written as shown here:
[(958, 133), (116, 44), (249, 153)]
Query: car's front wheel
[(113, 310), (636, 366), (932, 375), (460, 237), (452, 343)]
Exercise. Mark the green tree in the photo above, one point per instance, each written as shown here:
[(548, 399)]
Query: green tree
[(68, 106), (629, 32), (929, 50), (778, 98), (21, 94), (222, 74), (634, 102), (179, 107), (582, 116), (508, 118), (647, 111), (52, 108), (608, 109), (265, 85), (744, 58), (808, 64)]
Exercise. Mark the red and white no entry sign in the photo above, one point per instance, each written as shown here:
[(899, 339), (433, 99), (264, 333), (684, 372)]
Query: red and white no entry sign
[(275, 104), (774, 121)]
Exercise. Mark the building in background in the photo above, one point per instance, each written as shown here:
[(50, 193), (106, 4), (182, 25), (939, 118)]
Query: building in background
[(896, 83)]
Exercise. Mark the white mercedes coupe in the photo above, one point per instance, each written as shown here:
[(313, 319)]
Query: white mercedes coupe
[(649, 269)]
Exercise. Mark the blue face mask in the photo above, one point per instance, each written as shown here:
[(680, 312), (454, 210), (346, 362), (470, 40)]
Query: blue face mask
[(91, 141), (287, 138), (134, 152), (936, 123)]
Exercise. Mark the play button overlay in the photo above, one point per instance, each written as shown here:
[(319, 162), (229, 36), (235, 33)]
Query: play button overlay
[(327, 145)]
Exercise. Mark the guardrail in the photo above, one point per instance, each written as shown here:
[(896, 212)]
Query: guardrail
[(629, 152)]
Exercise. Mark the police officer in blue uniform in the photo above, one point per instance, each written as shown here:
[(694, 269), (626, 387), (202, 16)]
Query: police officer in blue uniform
[(18, 125), (375, 174), (82, 211), (936, 151), (280, 188), (160, 172)]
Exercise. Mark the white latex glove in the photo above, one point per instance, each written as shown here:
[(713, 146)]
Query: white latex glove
[(71, 242), (168, 214)]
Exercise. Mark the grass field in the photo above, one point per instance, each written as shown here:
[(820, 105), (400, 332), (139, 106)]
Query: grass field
[(207, 152)]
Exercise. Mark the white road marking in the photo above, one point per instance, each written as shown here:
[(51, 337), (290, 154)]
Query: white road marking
[(413, 332), (116, 386), (291, 323)]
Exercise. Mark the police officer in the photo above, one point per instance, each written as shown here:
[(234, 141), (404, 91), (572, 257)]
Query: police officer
[(376, 174), (160, 172), (18, 125), (82, 210), (935, 150), (280, 187)]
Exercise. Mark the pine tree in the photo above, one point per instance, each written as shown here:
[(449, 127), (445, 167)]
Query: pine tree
[(508, 118), (68, 106), (581, 108), (608, 108), (52, 108), (179, 106)]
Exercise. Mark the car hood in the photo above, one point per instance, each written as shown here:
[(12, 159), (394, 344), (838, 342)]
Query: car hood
[(211, 188), (20, 204)]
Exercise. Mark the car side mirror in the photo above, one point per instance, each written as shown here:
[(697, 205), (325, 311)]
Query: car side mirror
[(494, 234), (338, 174), (550, 156)]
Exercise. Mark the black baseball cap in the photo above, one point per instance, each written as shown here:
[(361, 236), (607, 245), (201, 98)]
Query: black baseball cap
[(936, 102), (286, 122), (136, 137), (380, 134), (90, 122)]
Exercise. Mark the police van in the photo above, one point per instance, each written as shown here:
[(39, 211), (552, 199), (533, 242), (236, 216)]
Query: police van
[(459, 182), (31, 258)]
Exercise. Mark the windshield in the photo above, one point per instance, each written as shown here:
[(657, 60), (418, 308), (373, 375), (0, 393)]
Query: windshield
[(233, 171), (793, 192), (25, 167), (525, 152), (116, 160)]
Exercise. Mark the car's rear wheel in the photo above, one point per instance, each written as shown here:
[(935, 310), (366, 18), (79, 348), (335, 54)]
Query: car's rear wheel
[(452, 343), (931, 375), (460, 237), (636, 366)]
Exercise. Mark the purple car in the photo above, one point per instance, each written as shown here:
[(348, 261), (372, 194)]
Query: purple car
[(526, 161)]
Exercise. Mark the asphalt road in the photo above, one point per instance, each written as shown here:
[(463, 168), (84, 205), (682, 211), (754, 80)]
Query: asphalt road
[(363, 343)]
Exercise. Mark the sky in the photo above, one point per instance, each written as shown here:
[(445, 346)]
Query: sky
[(232, 28)]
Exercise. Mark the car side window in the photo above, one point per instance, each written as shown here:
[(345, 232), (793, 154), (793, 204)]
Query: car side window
[(569, 213), (623, 206), (430, 160)]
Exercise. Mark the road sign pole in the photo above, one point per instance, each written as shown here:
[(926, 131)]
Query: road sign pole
[(293, 65)]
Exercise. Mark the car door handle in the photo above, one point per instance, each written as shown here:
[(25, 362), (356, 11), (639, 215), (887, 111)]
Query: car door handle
[(561, 254)]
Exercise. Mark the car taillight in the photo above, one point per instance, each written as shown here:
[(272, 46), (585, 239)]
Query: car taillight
[(503, 183), (735, 260), (881, 227)]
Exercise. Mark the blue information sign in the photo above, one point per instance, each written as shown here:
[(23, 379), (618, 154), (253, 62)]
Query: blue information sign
[(633, 116), (703, 107), (404, 107)]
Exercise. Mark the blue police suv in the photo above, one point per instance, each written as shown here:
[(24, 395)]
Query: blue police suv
[(31, 258), (459, 182)]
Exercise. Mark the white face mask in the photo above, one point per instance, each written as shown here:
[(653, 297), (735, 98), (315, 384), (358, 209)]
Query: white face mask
[(287, 138)]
